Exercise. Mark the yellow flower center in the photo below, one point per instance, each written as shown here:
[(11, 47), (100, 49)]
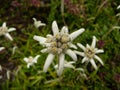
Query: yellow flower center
[(30, 59), (90, 52), (58, 43)]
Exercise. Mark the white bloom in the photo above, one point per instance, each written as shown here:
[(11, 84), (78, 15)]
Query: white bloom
[(58, 44), (1, 48), (5, 31), (37, 24), (30, 60), (90, 53)]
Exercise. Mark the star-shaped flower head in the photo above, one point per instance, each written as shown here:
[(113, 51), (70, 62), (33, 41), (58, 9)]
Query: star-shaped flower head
[(37, 24), (1, 48), (58, 45), (31, 60), (5, 31), (90, 52)]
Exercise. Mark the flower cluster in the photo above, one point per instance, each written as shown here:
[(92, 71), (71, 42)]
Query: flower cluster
[(4, 31), (58, 44), (61, 44)]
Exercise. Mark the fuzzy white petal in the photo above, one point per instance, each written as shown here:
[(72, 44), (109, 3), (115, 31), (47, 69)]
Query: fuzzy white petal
[(73, 46), (25, 59), (99, 59), (81, 46), (93, 42), (55, 28), (71, 54), (36, 58), (61, 64), (118, 7), (28, 65), (48, 62), (11, 29), (118, 14), (8, 74), (93, 64), (76, 33), (44, 50), (64, 30), (88, 46), (1, 48), (8, 36), (4, 25), (37, 24), (99, 51), (42, 24), (71, 62), (80, 53), (69, 65), (49, 35), (35, 19), (84, 59), (56, 66), (39, 39)]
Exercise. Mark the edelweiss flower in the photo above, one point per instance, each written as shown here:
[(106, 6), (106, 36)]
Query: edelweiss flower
[(58, 44), (90, 53), (5, 31), (1, 48), (37, 24), (30, 60)]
